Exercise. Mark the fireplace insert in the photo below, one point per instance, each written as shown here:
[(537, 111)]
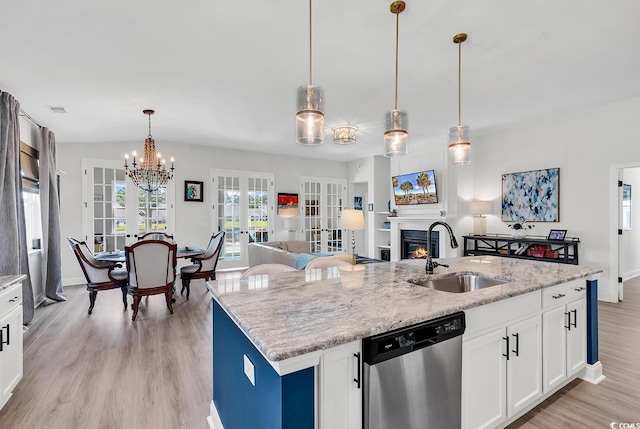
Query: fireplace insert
[(413, 244)]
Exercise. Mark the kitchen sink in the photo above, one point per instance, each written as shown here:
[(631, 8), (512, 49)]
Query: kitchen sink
[(460, 283)]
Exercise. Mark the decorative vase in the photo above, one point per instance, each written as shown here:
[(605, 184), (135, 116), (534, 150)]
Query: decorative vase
[(519, 233)]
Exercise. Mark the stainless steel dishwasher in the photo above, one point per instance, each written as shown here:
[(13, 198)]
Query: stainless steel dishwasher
[(413, 376)]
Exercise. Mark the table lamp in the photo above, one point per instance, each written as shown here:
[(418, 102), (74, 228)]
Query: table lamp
[(478, 210), (352, 219)]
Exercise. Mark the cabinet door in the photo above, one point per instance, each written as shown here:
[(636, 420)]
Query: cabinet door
[(483, 380), (577, 337), (524, 366), (11, 354), (554, 354), (340, 387)]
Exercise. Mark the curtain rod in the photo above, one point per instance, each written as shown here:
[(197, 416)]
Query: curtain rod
[(26, 115)]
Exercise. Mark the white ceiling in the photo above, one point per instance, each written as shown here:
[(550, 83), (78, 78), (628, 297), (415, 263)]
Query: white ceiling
[(225, 73)]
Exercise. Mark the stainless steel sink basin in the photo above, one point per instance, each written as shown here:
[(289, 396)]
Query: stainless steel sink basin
[(460, 283)]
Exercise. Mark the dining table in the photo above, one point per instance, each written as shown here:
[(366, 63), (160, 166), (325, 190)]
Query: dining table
[(119, 256)]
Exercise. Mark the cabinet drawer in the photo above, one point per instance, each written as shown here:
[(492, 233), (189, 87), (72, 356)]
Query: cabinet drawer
[(563, 293), (10, 298), (500, 313)]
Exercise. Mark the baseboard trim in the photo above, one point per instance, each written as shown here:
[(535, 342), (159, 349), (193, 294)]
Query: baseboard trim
[(592, 373), (214, 419)]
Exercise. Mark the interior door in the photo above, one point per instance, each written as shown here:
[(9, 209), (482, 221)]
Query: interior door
[(243, 208), (323, 201)]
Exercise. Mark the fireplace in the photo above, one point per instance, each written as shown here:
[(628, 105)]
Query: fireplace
[(413, 244)]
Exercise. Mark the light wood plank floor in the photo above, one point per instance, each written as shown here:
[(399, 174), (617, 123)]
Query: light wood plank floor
[(103, 371)]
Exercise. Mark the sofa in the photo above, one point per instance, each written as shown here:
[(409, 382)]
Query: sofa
[(294, 253)]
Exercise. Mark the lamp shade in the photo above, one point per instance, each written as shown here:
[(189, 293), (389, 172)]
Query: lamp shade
[(481, 207), (351, 219), (310, 117), (287, 212)]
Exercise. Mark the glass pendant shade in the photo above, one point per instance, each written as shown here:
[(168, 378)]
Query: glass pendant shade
[(396, 135), (459, 145), (310, 117)]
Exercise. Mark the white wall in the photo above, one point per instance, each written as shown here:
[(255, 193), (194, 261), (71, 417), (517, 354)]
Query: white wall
[(193, 162), (588, 146), (630, 239)]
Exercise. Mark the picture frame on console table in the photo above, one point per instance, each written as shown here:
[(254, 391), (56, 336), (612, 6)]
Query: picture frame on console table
[(557, 234), (193, 190)]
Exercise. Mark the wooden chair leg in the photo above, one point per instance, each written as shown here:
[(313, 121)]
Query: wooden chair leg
[(92, 300), (168, 299), (124, 296), (136, 303), (185, 283)]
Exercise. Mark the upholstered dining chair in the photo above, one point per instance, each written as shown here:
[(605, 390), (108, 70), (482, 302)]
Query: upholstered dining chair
[(100, 275), (267, 269), (156, 236), (151, 267), (204, 266), (326, 261)]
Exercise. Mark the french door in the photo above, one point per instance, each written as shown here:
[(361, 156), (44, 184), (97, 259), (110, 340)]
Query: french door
[(323, 201), (116, 211), (243, 208)]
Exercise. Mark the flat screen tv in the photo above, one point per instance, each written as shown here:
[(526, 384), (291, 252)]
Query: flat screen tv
[(415, 188)]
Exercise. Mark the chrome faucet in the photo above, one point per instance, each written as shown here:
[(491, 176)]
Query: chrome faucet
[(431, 265)]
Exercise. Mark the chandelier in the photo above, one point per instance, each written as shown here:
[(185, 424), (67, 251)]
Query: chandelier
[(152, 173)]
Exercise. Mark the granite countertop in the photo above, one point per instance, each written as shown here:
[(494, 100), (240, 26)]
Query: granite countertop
[(290, 314), (6, 281)]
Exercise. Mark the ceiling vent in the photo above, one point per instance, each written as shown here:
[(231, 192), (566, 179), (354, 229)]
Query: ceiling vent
[(58, 109)]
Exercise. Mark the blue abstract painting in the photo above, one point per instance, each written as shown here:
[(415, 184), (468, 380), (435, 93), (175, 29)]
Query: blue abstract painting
[(533, 196)]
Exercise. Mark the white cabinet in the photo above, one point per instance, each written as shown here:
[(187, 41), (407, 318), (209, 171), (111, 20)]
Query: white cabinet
[(564, 322), (501, 361), (340, 387), (10, 339)]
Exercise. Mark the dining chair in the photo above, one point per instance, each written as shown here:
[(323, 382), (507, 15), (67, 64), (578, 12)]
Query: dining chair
[(151, 267), (267, 269), (204, 265), (100, 275), (326, 261), (156, 236)]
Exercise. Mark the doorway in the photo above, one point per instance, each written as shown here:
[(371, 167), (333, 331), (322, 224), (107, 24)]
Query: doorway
[(628, 209)]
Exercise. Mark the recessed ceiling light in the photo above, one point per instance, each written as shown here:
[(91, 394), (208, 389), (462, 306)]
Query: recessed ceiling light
[(58, 109)]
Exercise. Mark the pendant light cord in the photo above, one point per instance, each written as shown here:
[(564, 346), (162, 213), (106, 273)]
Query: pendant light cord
[(459, 83), (310, 47), (397, 36)]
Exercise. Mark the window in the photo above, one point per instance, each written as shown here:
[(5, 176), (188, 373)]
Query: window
[(626, 207), (32, 216)]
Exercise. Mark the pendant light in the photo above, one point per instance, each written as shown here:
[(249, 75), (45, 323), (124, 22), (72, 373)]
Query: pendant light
[(459, 140), (396, 122), (310, 102)]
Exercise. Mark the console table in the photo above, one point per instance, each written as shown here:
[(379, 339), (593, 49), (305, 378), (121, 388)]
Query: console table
[(529, 247)]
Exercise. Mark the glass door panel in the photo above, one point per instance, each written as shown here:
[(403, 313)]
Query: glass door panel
[(105, 208), (258, 203), (312, 216), (243, 209)]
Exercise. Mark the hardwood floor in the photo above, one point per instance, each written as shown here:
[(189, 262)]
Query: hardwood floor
[(103, 371)]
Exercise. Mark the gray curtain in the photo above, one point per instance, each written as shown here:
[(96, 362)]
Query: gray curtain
[(50, 210), (13, 244)]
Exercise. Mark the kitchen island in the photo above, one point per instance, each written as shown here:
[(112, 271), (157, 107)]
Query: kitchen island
[(298, 330)]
